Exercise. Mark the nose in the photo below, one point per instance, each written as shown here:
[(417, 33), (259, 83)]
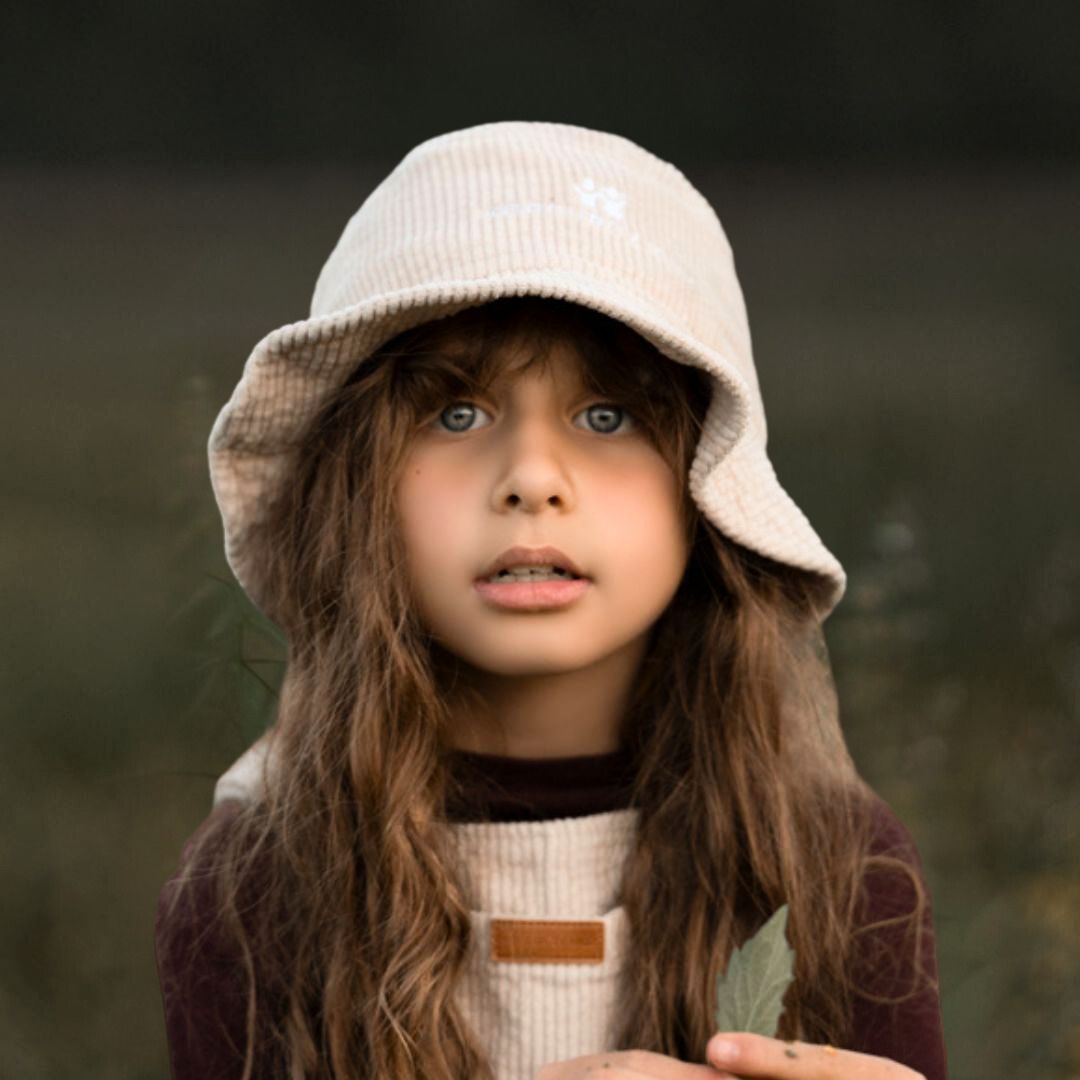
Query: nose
[(535, 472)]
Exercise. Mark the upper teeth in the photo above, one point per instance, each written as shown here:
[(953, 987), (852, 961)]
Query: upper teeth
[(530, 573)]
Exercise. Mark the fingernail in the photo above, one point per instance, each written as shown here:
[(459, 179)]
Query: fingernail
[(721, 1050)]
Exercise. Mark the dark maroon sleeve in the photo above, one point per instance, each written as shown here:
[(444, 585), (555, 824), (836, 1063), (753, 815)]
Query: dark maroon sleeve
[(909, 1032), (203, 985)]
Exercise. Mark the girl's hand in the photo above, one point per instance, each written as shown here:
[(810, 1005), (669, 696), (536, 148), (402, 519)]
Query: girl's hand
[(771, 1059), (756, 1056), (626, 1065)]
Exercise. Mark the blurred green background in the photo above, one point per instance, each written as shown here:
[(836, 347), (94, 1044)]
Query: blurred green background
[(902, 192)]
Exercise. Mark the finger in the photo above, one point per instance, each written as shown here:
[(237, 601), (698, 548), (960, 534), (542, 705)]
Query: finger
[(757, 1055), (632, 1074), (646, 1065), (612, 1070)]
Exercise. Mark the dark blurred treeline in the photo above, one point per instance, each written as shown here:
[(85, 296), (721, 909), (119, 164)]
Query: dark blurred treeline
[(239, 81)]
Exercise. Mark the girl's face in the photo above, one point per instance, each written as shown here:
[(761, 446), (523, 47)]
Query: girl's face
[(540, 460)]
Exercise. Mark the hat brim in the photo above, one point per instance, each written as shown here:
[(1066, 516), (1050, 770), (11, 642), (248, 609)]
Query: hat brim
[(296, 368)]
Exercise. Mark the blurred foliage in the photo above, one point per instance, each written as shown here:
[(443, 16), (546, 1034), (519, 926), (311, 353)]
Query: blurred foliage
[(917, 340), (241, 653)]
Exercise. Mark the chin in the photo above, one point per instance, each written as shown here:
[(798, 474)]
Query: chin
[(507, 659)]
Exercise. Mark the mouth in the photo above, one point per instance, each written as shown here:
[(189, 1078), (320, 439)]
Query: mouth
[(532, 579), (531, 565), (543, 572)]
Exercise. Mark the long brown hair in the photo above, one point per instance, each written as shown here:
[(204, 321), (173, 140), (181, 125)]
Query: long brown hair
[(338, 884)]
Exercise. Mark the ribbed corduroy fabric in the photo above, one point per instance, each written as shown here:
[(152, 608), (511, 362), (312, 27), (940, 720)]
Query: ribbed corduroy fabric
[(509, 209), (526, 1013)]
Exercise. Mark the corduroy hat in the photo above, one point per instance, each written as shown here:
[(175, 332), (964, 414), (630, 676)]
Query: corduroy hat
[(509, 209)]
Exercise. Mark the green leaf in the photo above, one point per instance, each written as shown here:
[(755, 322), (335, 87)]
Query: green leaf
[(749, 995)]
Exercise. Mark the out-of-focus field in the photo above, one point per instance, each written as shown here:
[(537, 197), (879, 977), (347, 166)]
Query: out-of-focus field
[(918, 340)]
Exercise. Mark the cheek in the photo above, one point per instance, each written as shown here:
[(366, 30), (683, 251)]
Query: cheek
[(641, 517), (427, 497)]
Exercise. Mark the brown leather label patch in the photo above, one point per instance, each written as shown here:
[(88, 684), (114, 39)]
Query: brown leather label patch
[(547, 941)]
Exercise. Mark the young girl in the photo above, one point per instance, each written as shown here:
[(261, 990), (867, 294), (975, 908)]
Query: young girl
[(558, 730)]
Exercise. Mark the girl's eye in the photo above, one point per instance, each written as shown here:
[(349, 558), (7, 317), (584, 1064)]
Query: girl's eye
[(604, 419), (459, 416), (607, 418)]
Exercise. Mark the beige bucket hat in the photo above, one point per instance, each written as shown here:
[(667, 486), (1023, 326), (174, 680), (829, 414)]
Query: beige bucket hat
[(506, 209)]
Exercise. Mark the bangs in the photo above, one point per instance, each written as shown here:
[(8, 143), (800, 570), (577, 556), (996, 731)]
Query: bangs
[(463, 355)]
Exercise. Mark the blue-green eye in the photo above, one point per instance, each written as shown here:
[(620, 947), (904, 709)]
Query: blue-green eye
[(459, 416), (607, 418), (603, 419)]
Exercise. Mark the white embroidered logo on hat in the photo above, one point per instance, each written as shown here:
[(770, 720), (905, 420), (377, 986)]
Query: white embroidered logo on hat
[(609, 199)]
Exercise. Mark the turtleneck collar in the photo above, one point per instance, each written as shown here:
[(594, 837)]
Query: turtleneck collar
[(497, 788)]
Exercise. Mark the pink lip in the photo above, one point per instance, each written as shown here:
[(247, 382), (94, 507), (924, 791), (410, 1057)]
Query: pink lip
[(531, 595), (526, 556)]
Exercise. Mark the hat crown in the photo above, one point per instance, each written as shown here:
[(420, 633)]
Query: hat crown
[(519, 208), (551, 201)]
